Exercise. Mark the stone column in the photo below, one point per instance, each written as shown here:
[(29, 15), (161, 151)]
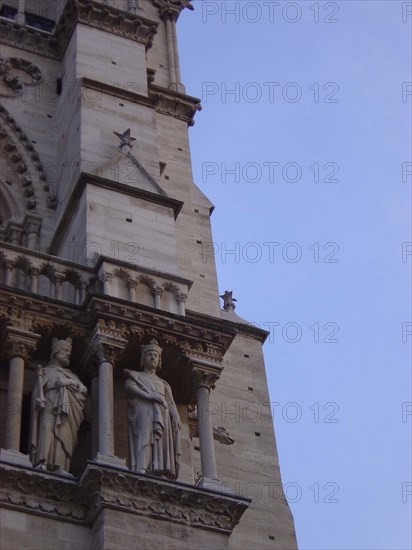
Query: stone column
[(58, 289), (20, 17), (8, 264), (181, 300), (205, 375), (170, 14), (157, 293), (34, 282), (20, 345), (105, 346), (32, 226), (14, 233), (132, 284), (82, 291), (106, 279)]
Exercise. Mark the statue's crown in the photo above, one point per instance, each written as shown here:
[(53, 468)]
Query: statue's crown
[(153, 345), (58, 344)]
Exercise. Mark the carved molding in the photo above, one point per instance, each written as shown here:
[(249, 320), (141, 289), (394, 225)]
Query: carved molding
[(171, 9), (44, 494), (180, 106), (26, 38), (91, 13), (12, 83), (99, 487), (116, 21), (13, 138)]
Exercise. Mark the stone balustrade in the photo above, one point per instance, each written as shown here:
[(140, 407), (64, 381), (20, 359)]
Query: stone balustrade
[(59, 279)]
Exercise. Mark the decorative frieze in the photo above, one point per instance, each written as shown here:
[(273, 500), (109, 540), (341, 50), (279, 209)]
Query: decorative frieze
[(94, 14), (81, 500)]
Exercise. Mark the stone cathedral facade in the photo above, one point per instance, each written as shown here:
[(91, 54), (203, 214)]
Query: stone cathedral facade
[(135, 409)]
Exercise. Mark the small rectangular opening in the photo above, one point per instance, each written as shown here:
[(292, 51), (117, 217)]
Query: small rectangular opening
[(257, 434), (38, 22), (9, 12), (199, 242), (197, 448), (246, 355), (59, 86), (167, 178), (250, 388), (197, 211), (129, 219)]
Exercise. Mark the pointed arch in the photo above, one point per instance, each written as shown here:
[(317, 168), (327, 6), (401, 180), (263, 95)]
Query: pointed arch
[(25, 163)]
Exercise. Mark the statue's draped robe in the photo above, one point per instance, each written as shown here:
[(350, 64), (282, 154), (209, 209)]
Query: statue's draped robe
[(154, 447), (54, 428)]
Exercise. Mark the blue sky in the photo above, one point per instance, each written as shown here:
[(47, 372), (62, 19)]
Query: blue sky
[(316, 133)]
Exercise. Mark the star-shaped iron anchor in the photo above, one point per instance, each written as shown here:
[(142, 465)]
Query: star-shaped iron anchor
[(125, 140)]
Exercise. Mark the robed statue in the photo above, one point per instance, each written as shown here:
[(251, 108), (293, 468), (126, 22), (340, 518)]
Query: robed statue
[(58, 400), (152, 417)]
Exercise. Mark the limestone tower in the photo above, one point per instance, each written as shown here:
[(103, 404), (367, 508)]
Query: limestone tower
[(103, 280)]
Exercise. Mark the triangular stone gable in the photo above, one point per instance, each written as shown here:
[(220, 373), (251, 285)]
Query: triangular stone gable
[(127, 170)]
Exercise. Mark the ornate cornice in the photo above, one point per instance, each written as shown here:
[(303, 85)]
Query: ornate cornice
[(27, 38), (167, 102), (171, 103), (111, 19), (81, 500), (171, 9), (48, 495), (94, 14)]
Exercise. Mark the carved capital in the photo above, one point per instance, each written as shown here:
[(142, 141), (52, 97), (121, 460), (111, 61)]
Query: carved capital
[(132, 283), (108, 342), (181, 297), (204, 379), (20, 343), (171, 9), (14, 232), (32, 224), (106, 277)]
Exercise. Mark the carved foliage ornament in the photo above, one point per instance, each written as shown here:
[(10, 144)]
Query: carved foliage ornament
[(80, 500), (16, 73), (172, 8)]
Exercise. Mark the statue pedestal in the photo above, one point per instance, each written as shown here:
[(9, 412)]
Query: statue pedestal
[(110, 460), (214, 484), (15, 457)]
